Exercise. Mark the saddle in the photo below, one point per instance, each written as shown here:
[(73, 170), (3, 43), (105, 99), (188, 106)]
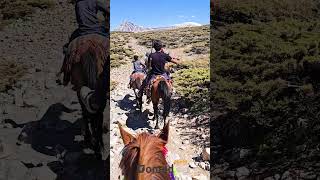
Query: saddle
[(157, 78)]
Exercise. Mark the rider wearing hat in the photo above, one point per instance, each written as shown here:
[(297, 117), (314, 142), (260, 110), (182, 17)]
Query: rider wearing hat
[(157, 61)]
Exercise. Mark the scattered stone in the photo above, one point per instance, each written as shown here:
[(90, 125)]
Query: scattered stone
[(205, 154), (200, 177), (192, 165), (9, 169), (202, 165), (285, 175), (244, 153), (185, 142), (78, 138), (207, 167), (269, 178), (217, 171), (242, 172), (44, 173), (184, 110), (184, 177), (308, 175), (230, 174), (215, 178), (88, 151), (7, 125)]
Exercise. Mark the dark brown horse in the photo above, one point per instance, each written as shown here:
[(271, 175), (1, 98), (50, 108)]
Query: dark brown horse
[(83, 66), (135, 83), (161, 89), (144, 150)]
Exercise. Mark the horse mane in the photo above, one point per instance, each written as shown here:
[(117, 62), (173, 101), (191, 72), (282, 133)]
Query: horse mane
[(152, 146)]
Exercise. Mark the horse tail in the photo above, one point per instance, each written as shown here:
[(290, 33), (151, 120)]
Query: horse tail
[(90, 68), (164, 92)]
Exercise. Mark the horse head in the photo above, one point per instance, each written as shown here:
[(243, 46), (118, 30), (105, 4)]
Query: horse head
[(142, 152)]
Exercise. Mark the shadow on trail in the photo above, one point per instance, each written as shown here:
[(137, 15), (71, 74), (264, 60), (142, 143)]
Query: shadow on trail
[(54, 136), (136, 119), (126, 104)]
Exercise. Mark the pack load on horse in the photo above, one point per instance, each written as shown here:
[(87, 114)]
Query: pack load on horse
[(137, 76), (146, 151), (84, 65), (159, 80)]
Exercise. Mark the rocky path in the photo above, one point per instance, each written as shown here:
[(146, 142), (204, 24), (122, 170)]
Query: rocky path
[(39, 119), (123, 109)]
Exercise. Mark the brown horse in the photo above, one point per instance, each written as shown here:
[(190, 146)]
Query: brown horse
[(83, 66), (135, 83), (161, 88), (144, 150)]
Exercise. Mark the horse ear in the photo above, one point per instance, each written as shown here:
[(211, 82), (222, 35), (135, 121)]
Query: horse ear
[(164, 134), (126, 137)]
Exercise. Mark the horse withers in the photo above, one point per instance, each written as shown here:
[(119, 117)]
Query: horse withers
[(136, 80), (143, 156), (83, 66)]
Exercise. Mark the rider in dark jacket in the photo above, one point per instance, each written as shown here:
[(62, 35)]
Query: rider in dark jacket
[(87, 19), (157, 63), (88, 23)]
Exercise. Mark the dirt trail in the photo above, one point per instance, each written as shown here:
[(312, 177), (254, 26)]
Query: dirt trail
[(123, 110)]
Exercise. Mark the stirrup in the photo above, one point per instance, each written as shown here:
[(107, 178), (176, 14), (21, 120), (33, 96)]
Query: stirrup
[(85, 94)]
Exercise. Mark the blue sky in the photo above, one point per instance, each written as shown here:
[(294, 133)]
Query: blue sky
[(161, 13)]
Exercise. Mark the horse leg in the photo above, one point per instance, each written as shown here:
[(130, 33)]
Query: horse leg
[(85, 131), (167, 106), (138, 100), (155, 117), (96, 126)]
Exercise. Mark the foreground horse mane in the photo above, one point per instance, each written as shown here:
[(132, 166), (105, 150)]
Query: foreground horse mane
[(152, 153)]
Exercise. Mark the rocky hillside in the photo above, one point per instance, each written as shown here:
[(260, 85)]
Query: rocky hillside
[(265, 86), (127, 26)]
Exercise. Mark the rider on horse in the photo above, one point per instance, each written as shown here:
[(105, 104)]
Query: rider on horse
[(138, 67), (157, 63), (89, 29)]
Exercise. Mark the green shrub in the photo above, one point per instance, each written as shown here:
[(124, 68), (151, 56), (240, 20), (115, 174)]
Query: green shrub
[(193, 85)]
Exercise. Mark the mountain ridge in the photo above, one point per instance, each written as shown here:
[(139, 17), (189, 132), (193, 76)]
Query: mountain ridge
[(128, 26)]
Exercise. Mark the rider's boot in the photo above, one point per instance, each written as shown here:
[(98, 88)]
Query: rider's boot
[(85, 95)]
